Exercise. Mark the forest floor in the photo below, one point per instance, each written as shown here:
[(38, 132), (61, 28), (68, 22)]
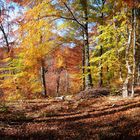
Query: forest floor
[(102, 118)]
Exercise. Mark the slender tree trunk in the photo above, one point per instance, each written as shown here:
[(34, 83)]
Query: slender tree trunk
[(83, 69), (58, 80), (88, 77), (134, 50), (5, 37), (58, 84), (101, 68), (83, 65), (100, 63), (43, 79), (67, 82), (126, 82), (120, 72), (108, 77), (138, 50)]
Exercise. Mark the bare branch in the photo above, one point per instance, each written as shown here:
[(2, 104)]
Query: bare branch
[(74, 18), (5, 36)]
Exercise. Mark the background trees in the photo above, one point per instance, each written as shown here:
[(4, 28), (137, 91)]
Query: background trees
[(94, 43)]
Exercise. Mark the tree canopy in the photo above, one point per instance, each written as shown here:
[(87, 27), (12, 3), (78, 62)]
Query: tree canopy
[(69, 45)]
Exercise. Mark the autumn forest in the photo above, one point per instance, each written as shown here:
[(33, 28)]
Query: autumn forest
[(74, 62)]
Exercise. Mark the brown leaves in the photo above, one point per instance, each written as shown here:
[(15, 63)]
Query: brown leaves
[(40, 119)]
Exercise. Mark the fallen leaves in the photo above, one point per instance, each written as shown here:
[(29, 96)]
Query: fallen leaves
[(96, 118)]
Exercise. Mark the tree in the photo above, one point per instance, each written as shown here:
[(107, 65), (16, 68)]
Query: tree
[(107, 30), (132, 37), (36, 44), (106, 42), (6, 25), (80, 15)]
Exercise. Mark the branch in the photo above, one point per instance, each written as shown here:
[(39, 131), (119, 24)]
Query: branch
[(5, 36), (74, 18), (67, 18)]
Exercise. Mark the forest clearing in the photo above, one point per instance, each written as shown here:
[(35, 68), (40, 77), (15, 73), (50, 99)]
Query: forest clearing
[(70, 69)]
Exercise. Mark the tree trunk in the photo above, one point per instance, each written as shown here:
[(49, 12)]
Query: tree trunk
[(67, 82), (134, 50), (138, 50), (83, 66), (88, 77), (43, 79), (59, 70), (126, 82), (84, 3), (58, 84), (5, 37), (101, 69), (120, 74), (100, 63), (108, 77)]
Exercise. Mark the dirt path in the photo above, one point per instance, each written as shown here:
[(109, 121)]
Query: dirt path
[(105, 118)]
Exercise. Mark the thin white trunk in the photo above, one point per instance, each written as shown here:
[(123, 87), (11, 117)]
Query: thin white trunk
[(125, 85)]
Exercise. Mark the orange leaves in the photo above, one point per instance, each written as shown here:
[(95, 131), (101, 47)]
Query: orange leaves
[(69, 58), (133, 3)]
